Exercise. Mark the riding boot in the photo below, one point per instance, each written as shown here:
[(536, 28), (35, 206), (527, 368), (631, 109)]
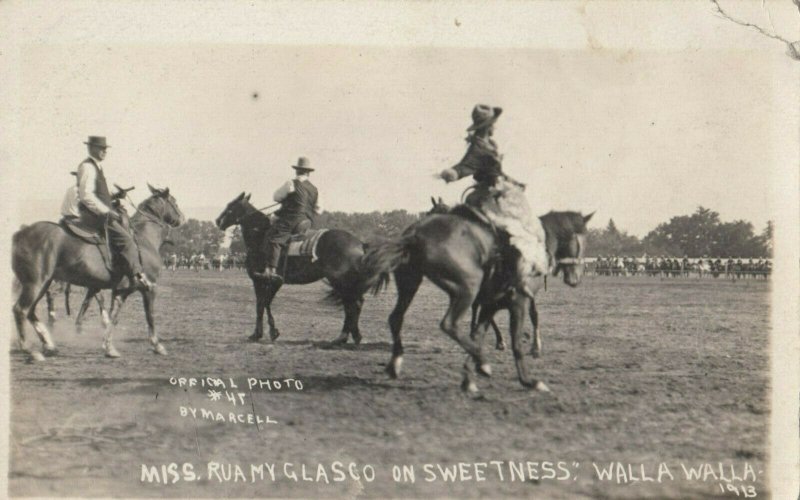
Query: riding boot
[(269, 274)]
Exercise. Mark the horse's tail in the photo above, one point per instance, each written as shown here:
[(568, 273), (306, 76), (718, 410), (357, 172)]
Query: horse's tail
[(381, 259), (372, 271)]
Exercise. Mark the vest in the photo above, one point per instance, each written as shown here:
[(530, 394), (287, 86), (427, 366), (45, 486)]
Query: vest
[(100, 185), (300, 203)]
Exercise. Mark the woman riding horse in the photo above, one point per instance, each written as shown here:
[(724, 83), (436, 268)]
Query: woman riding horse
[(499, 197)]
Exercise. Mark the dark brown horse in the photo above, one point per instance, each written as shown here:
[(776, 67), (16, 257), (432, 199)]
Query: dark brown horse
[(44, 251), (460, 256), (338, 256)]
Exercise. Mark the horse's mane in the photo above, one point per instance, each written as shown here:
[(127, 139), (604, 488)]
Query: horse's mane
[(563, 224), (259, 216)]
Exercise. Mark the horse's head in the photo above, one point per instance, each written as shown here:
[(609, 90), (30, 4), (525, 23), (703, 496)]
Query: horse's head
[(234, 212), (163, 207), (566, 243)]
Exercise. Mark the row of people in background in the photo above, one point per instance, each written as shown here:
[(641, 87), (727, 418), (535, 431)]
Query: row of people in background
[(199, 261), (673, 266)]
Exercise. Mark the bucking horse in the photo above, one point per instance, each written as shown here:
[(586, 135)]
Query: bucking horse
[(465, 256)]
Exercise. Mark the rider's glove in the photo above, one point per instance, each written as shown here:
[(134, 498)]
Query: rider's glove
[(449, 175)]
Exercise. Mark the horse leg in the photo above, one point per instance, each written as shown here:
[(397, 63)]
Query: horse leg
[(272, 290), (24, 301), (101, 303), (517, 316), (84, 306), (462, 296), (261, 292), (354, 330), (407, 281), (118, 298), (352, 310), (500, 343), (51, 309), (536, 345), (148, 298), (67, 290), (41, 330)]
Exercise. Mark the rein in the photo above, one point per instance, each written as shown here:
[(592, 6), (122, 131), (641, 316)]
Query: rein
[(152, 217), (254, 211)]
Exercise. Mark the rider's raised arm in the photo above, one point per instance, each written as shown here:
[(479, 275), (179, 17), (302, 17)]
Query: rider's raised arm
[(282, 192), (467, 166), (87, 179)]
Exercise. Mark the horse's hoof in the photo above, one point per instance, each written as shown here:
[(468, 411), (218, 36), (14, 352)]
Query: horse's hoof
[(37, 356), (485, 369), (49, 350), (340, 340), (356, 338), (541, 386), (160, 349), (500, 346), (394, 367), (274, 334), (254, 337), (111, 352), (535, 353), (469, 387)]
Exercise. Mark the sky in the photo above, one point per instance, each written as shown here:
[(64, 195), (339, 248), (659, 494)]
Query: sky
[(637, 136)]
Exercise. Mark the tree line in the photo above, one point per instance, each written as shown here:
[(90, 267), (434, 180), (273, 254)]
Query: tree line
[(699, 234)]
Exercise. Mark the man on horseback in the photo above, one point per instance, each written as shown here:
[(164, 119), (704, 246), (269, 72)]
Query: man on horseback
[(499, 197), (299, 201), (96, 207)]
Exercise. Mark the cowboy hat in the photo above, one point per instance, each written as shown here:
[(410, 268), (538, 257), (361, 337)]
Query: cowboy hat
[(303, 164), (98, 141), (483, 116)]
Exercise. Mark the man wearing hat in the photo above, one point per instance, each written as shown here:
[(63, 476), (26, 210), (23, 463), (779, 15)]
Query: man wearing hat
[(299, 201), (499, 197), (95, 205)]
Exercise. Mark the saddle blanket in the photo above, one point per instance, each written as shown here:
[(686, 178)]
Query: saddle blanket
[(305, 245)]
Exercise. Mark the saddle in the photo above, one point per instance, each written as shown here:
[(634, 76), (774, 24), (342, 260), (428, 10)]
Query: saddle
[(88, 234), (473, 214), (82, 230), (304, 244)]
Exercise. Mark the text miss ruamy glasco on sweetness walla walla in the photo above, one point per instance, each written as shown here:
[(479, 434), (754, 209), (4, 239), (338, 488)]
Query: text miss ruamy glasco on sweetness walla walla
[(721, 474)]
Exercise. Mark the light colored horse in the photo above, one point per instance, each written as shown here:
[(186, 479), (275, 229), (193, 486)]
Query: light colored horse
[(44, 252)]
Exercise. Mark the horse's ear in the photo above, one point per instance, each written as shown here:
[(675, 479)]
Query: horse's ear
[(153, 190), (586, 218), (247, 198), (433, 200), (165, 192), (441, 201), (239, 197)]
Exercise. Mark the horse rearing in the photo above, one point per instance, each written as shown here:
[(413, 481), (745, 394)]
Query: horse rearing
[(460, 256), (338, 256), (44, 252)]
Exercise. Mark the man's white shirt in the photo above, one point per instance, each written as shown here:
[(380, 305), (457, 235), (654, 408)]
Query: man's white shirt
[(87, 179)]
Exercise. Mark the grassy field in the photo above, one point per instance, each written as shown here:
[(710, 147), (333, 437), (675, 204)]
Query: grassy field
[(644, 372)]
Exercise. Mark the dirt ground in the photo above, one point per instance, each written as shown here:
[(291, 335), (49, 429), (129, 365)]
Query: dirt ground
[(644, 372)]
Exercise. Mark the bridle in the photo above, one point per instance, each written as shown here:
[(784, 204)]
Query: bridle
[(156, 218), (572, 261), (252, 212)]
